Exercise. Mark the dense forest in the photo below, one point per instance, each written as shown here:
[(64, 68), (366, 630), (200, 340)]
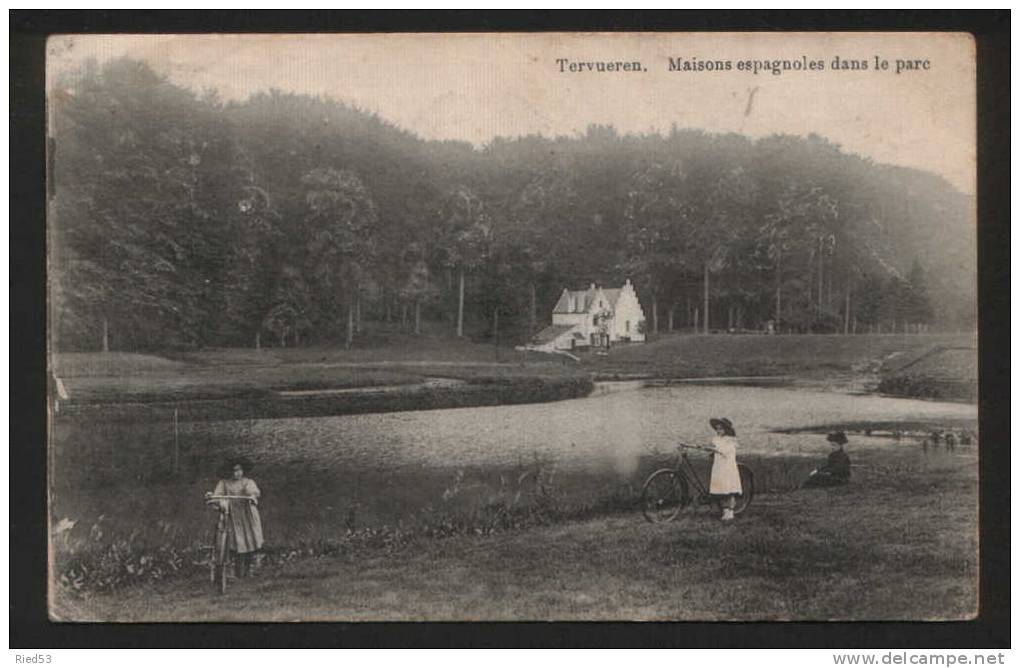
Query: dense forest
[(178, 220)]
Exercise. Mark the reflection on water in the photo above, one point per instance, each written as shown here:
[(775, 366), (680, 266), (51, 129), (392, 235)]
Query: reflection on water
[(614, 426)]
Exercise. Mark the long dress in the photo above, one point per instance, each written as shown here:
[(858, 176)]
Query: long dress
[(725, 476), (244, 531), (835, 472)]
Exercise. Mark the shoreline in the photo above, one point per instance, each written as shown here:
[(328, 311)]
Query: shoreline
[(344, 401), (433, 394)]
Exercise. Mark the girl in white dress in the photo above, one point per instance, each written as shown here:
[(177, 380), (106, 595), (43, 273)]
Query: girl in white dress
[(725, 479)]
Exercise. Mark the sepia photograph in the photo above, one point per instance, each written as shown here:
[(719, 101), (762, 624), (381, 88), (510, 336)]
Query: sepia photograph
[(618, 326)]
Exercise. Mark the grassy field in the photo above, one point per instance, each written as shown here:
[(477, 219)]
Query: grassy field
[(240, 383), (246, 376), (687, 356), (900, 542)]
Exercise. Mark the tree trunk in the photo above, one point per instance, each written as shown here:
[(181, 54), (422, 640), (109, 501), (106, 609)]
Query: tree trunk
[(779, 290), (846, 311), (283, 338), (696, 313), (389, 312), (403, 316), (829, 297), (448, 302), (706, 298), (350, 327), (460, 306), (106, 335), (258, 340), (533, 322), (417, 317), (495, 325), (357, 314), (655, 315), (672, 308), (821, 274), (729, 316)]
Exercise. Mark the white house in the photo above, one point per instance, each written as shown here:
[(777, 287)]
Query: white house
[(583, 318)]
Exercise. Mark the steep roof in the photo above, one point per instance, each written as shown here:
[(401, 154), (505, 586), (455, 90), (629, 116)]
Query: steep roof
[(550, 333), (585, 298), (613, 295)]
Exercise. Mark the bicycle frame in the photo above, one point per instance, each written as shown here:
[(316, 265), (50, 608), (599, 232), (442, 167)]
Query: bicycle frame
[(221, 541), (685, 468)]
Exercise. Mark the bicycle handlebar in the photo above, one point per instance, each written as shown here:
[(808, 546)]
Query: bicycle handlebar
[(688, 446)]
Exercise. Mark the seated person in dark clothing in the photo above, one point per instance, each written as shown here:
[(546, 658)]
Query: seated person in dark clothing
[(836, 470)]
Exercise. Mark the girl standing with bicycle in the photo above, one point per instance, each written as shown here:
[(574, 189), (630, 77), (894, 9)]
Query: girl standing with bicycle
[(244, 527), (725, 479)]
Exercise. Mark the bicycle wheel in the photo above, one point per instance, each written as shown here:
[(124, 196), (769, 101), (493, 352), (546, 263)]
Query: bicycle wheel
[(221, 560), (664, 495), (223, 578), (746, 487)]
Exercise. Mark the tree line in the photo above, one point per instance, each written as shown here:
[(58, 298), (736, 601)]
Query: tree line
[(177, 219)]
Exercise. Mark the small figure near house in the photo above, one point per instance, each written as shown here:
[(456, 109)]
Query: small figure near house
[(725, 480), (837, 468), (244, 532)]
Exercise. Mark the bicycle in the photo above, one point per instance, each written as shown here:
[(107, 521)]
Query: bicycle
[(220, 556), (668, 491)]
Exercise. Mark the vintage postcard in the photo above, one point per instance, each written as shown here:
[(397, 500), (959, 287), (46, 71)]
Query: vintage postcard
[(609, 326)]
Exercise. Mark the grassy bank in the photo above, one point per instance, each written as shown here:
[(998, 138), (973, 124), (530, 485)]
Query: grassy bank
[(480, 390), (900, 542), (399, 374), (228, 384), (802, 356)]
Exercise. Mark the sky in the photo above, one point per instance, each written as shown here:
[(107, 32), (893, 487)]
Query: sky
[(475, 87)]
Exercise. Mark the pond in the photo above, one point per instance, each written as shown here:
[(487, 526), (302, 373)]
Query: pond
[(614, 426), (321, 474)]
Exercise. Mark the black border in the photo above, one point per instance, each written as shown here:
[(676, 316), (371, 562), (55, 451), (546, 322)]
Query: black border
[(29, 626)]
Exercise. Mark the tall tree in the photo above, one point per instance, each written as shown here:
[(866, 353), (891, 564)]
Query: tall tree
[(340, 222), (465, 232), (657, 213)]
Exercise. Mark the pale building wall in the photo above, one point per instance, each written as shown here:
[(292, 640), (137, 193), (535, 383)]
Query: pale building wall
[(627, 315)]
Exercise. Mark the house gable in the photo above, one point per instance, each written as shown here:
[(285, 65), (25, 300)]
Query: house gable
[(579, 309)]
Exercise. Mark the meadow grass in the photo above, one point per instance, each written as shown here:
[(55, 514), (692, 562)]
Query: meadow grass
[(899, 542), (804, 355), (532, 542), (247, 382)]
